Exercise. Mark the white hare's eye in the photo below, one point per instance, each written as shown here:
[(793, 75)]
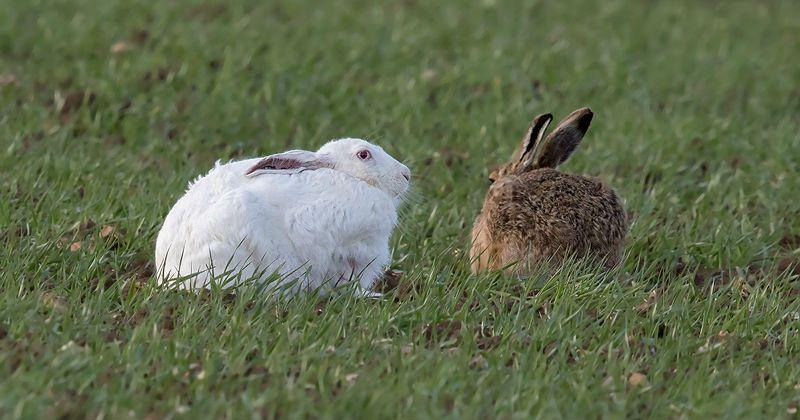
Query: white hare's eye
[(364, 154)]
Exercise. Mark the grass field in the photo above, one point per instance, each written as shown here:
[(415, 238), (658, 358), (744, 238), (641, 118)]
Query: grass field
[(108, 108)]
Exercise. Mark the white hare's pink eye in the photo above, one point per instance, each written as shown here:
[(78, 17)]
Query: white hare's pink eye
[(364, 154)]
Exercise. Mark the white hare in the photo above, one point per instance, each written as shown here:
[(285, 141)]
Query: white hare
[(315, 219)]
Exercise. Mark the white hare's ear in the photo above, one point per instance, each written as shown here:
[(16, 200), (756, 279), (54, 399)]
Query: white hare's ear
[(292, 161)]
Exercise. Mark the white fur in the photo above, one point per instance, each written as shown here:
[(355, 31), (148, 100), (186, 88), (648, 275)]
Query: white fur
[(318, 227)]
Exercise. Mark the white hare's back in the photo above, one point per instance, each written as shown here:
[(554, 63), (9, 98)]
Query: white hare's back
[(208, 223)]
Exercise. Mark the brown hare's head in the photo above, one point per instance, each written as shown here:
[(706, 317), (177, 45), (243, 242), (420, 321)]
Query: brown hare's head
[(535, 153)]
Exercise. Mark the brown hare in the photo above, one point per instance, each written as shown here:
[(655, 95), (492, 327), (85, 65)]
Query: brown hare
[(534, 214)]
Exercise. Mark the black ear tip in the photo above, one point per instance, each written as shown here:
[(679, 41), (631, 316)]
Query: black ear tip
[(584, 113), (585, 116), (541, 120)]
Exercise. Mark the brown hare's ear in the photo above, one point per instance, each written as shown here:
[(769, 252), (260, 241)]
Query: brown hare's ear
[(560, 144), (289, 162), (531, 142)]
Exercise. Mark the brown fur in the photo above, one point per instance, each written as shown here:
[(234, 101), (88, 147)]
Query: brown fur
[(534, 213)]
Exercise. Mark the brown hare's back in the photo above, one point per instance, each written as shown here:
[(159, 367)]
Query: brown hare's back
[(547, 215)]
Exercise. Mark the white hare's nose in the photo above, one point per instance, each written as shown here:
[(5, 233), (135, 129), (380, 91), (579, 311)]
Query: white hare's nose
[(406, 174)]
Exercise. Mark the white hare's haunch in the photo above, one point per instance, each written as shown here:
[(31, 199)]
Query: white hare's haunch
[(316, 219)]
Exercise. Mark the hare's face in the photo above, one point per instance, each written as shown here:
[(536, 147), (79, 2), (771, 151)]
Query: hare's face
[(500, 172), (369, 163)]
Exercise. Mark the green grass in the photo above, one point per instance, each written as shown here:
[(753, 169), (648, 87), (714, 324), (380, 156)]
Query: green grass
[(697, 110)]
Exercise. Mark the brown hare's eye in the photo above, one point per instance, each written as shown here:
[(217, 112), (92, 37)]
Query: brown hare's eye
[(364, 154), (493, 175)]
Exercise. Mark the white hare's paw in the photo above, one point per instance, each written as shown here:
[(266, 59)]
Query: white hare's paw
[(359, 292)]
